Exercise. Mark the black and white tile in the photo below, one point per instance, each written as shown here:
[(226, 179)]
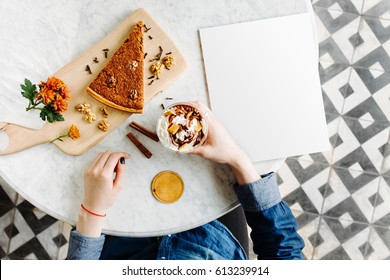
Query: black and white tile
[(378, 244), (347, 189), (351, 6), (28, 233), (340, 197)]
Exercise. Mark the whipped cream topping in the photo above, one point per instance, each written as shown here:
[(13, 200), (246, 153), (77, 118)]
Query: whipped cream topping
[(181, 128)]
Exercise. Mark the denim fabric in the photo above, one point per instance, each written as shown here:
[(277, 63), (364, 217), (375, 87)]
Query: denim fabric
[(83, 247), (212, 241), (274, 234), (259, 195), (130, 248)]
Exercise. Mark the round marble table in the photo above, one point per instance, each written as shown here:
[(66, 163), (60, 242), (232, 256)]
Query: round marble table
[(57, 32)]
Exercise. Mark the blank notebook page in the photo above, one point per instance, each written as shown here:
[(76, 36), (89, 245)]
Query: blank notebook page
[(264, 86)]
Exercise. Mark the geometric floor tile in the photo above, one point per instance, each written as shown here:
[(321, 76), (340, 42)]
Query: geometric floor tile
[(307, 228), (361, 143), (349, 198), (7, 194), (356, 246), (381, 215), (325, 241), (352, 6), (301, 181), (335, 89), (348, 142), (379, 28), (382, 98), (379, 241), (343, 30), (357, 92), (339, 242), (63, 249), (374, 80), (6, 221), (377, 8), (26, 243), (371, 42), (26, 232)]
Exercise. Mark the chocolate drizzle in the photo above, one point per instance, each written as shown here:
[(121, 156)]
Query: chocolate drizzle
[(188, 128)]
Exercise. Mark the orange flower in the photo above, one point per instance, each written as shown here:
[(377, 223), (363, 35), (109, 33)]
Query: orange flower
[(60, 104), (47, 96), (65, 93), (74, 132), (53, 83), (57, 86)]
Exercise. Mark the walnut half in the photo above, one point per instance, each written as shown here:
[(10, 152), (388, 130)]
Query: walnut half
[(156, 68), (83, 107), (90, 117), (168, 61), (103, 125), (133, 93)]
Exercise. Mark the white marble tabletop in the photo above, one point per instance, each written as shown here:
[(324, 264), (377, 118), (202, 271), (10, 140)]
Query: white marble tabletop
[(38, 37)]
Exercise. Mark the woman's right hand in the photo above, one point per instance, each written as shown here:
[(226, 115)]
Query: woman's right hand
[(221, 147)]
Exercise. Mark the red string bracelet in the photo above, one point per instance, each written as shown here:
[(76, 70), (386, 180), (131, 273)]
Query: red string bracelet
[(92, 213)]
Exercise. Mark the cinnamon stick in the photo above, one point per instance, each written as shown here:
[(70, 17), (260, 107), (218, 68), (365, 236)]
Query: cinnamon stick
[(144, 131), (139, 145)]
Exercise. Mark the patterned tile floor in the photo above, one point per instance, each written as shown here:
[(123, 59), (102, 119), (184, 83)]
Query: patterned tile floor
[(341, 198)]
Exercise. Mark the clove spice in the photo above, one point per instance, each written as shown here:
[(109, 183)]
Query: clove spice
[(158, 56), (88, 69), (146, 28), (105, 52)]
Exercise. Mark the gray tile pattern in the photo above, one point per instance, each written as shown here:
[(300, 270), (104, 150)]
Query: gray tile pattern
[(341, 198), (349, 194)]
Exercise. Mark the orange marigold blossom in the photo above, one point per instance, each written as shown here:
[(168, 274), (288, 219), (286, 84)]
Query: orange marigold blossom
[(74, 132), (47, 96), (57, 86), (65, 93), (60, 104)]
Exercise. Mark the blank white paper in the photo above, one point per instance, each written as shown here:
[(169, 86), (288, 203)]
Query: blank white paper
[(264, 86)]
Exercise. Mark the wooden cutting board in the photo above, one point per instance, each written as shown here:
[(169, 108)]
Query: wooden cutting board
[(77, 79)]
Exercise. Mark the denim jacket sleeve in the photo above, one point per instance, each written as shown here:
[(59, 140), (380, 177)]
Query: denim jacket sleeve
[(274, 227), (84, 248)]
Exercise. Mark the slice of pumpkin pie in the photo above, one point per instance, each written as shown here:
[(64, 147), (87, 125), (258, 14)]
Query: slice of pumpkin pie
[(120, 84)]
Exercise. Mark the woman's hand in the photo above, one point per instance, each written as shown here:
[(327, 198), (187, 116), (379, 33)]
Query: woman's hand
[(103, 181), (220, 147)]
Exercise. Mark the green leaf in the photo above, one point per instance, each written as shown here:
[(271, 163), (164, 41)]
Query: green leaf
[(58, 117), (43, 114), (29, 90), (48, 114)]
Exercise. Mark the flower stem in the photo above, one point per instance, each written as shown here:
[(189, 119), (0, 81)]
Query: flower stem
[(33, 105), (59, 138)]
